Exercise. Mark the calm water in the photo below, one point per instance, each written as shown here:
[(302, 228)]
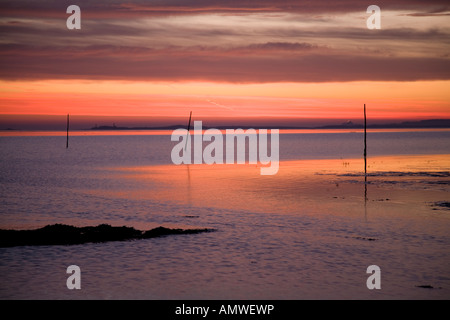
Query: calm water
[(300, 234)]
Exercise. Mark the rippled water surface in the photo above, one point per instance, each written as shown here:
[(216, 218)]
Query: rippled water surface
[(308, 232)]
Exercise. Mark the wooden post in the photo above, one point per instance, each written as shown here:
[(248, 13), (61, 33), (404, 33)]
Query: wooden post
[(67, 138), (189, 128), (365, 161), (365, 145)]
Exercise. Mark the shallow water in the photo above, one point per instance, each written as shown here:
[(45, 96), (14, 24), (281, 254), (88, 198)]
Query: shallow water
[(305, 233)]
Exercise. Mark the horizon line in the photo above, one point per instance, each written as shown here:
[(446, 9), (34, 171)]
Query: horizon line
[(418, 124)]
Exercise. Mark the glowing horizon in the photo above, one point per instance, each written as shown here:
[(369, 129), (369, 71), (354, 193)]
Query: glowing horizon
[(304, 62), (426, 100)]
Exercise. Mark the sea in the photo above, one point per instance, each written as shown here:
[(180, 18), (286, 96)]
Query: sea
[(308, 232)]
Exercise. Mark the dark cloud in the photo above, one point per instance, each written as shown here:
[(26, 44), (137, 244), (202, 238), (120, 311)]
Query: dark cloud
[(117, 8), (285, 46), (426, 14), (294, 65), (108, 48)]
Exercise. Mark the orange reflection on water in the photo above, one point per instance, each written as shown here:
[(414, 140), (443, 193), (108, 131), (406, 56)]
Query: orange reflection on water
[(299, 186)]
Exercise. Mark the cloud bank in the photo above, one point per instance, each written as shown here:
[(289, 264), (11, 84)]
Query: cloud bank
[(225, 41)]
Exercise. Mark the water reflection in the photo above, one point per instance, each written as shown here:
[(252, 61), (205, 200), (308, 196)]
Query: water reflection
[(301, 186)]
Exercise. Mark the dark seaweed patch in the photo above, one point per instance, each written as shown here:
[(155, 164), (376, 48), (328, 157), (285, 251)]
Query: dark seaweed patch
[(441, 204), (60, 234)]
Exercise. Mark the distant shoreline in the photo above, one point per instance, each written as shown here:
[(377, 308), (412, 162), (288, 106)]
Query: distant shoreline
[(422, 124), (427, 124)]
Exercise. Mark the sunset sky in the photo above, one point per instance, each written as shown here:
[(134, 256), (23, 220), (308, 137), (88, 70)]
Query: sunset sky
[(278, 62)]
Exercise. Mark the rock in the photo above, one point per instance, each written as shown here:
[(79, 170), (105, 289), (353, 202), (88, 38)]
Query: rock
[(425, 286), (60, 234)]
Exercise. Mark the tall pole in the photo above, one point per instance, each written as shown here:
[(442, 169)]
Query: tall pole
[(365, 145), (365, 162), (67, 138), (189, 128)]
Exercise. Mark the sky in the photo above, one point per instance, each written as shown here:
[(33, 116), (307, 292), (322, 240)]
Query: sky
[(289, 62)]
